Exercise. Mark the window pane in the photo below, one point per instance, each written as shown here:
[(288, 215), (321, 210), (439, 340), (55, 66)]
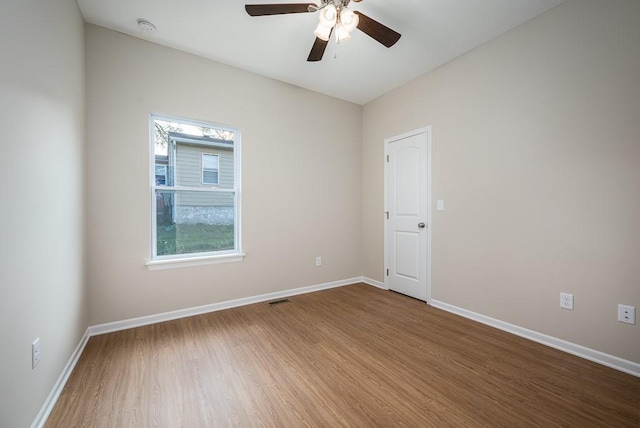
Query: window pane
[(209, 161), (194, 222), (210, 177)]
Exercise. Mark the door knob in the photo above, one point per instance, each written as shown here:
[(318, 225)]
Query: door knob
[(421, 225)]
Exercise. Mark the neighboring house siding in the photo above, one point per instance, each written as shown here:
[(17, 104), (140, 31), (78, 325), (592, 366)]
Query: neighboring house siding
[(189, 173)]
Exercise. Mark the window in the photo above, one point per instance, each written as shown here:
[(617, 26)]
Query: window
[(161, 174), (209, 168), (195, 186)]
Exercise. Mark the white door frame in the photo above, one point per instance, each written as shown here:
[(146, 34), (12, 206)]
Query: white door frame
[(426, 130)]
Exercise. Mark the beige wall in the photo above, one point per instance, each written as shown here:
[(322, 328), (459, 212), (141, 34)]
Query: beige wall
[(42, 290), (536, 147), (299, 145)]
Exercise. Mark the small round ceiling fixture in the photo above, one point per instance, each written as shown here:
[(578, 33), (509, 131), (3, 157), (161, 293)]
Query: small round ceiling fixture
[(145, 26)]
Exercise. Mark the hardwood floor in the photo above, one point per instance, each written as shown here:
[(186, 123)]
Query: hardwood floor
[(353, 356)]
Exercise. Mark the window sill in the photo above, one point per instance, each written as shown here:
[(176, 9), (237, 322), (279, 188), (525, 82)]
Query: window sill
[(194, 261)]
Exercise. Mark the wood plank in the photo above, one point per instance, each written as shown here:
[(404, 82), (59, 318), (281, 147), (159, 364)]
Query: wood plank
[(350, 356)]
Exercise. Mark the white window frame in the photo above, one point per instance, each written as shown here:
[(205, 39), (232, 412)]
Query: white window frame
[(217, 183), (195, 259)]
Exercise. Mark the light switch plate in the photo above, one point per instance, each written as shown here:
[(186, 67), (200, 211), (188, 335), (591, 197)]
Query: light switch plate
[(440, 205)]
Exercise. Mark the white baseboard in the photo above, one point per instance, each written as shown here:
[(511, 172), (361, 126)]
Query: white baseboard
[(51, 400), (213, 307), (611, 361), (373, 282)]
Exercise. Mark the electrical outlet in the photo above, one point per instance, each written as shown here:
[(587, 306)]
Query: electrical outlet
[(627, 314), (566, 301), (318, 261), (35, 353)]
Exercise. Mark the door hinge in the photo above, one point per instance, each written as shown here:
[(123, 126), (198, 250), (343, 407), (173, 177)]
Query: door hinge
[(387, 214), (387, 158), (387, 272)]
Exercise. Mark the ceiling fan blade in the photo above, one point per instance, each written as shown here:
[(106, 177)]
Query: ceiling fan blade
[(376, 30), (278, 8), (317, 50)]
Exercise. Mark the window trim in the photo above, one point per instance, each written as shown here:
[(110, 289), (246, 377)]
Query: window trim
[(195, 259), (217, 170)]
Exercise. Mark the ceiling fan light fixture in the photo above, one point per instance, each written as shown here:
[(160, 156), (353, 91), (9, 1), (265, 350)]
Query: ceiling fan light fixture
[(323, 32), (348, 19), (329, 15), (342, 35)]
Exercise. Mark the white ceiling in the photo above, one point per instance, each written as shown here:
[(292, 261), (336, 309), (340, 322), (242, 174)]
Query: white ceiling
[(358, 70)]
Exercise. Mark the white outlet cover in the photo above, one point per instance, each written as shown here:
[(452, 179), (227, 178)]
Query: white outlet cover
[(35, 353), (627, 314), (566, 301)]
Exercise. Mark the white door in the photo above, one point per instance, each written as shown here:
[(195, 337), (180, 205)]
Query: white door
[(407, 213)]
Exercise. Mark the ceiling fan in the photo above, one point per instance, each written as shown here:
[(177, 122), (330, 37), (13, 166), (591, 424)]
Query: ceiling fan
[(334, 17)]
